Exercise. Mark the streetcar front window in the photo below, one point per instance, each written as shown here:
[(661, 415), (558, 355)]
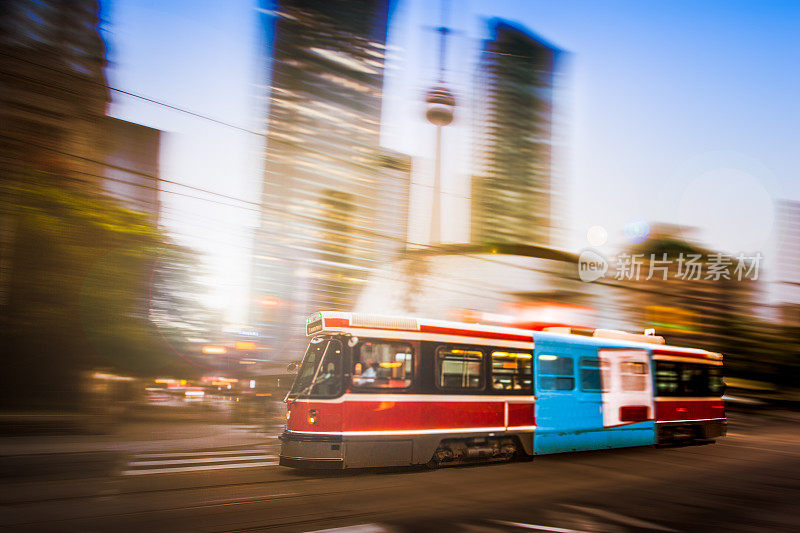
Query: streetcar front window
[(320, 375)]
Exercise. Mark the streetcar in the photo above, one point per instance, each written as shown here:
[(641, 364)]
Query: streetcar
[(378, 391)]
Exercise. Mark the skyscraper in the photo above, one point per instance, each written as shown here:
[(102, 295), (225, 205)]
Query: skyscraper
[(334, 204), (54, 95), (512, 175), (131, 157)]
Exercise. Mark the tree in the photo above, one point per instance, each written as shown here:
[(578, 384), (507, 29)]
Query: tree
[(78, 293)]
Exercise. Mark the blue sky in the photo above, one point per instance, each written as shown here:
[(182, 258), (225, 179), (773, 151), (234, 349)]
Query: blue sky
[(675, 111)]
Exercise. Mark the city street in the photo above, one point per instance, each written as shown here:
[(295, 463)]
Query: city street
[(748, 481), (382, 233)]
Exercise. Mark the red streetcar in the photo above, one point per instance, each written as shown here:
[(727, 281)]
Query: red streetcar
[(390, 391)]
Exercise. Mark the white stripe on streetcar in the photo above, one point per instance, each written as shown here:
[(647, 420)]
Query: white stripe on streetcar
[(688, 399), (438, 337), (358, 397), (196, 468), (415, 431), (689, 420), (201, 460)]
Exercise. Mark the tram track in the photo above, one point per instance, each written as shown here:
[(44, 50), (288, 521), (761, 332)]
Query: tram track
[(219, 503), (719, 475)]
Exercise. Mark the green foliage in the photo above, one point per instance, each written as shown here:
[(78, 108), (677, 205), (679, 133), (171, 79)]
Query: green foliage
[(81, 270), (754, 349)]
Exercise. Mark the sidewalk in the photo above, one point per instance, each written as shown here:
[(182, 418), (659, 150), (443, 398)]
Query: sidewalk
[(135, 437)]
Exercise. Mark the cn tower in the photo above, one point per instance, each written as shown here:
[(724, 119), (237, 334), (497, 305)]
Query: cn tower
[(440, 106)]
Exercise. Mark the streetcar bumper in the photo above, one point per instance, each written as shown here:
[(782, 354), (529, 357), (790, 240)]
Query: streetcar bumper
[(310, 451), (715, 428), (704, 429)]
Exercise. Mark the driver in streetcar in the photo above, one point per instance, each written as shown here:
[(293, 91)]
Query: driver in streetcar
[(368, 375)]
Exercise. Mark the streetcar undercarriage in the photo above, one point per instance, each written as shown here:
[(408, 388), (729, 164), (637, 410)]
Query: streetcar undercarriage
[(453, 452), (671, 433), (337, 452)]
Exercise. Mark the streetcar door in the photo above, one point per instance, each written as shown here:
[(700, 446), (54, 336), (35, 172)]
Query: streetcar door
[(627, 392)]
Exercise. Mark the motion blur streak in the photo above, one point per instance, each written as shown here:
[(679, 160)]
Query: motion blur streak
[(186, 188)]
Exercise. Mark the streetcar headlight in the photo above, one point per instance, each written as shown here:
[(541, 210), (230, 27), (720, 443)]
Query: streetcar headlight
[(312, 416)]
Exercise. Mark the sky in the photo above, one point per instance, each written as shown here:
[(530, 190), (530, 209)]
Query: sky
[(683, 112)]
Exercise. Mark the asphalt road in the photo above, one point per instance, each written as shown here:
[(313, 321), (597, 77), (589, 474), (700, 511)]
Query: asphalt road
[(748, 481)]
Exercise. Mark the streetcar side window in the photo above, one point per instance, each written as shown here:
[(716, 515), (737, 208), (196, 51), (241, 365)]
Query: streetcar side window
[(688, 379), (459, 368), (594, 374), (383, 365), (556, 372), (716, 386), (511, 370), (667, 379), (694, 380)]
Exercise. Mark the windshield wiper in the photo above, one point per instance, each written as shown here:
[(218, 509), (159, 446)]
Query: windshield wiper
[(308, 389), (293, 399)]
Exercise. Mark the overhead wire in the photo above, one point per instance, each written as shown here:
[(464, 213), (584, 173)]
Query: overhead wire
[(249, 205)]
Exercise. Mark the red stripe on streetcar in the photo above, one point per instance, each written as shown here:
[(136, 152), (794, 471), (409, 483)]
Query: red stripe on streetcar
[(689, 355), (382, 416), (521, 414), (326, 417), (365, 416), (472, 333), (689, 410), (336, 322)]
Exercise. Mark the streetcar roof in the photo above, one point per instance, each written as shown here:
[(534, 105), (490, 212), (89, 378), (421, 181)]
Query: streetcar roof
[(664, 350), (336, 320), (330, 321)]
